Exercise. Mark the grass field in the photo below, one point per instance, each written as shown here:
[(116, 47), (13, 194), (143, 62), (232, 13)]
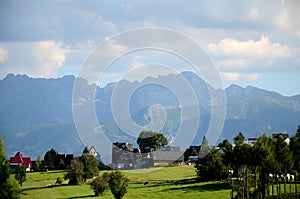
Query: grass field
[(168, 182)]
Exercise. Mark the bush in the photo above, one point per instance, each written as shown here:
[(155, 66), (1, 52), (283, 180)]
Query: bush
[(10, 189), (58, 180), (100, 184), (118, 184)]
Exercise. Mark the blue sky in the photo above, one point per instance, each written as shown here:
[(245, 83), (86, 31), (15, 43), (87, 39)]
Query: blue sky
[(251, 42)]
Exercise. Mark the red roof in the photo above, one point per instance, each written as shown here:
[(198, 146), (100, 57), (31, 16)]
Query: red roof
[(19, 159)]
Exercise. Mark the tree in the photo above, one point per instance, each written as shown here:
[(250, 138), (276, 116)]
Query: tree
[(39, 163), (9, 188), (228, 152), (90, 165), (20, 175), (211, 167), (242, 154), (239, 139), (118, 184), (149, 141), (75, 172), (283, 158), (100, 184), (264, 157), (295, 149), (204, 150), (51, 159), (85, 150)]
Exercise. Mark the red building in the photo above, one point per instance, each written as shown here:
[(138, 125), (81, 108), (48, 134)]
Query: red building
[(19, 160)]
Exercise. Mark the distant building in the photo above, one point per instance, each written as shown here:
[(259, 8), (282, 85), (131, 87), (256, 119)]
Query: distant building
[(18, 160), (168, 155), (251, 141), (191, 154), (93, 151), (122, 155), (285, 136)]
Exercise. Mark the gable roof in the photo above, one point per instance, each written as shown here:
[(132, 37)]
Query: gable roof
[(169, 156), (19, 159)]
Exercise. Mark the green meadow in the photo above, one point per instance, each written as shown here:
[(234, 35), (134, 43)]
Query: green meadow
[(167, 182)]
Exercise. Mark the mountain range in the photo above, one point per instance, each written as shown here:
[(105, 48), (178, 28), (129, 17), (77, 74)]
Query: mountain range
[(36, 113)]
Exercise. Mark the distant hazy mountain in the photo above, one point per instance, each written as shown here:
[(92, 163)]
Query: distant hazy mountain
[(36, 114)]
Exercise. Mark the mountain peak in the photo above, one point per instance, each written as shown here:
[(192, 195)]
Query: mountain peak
[(234, 89)]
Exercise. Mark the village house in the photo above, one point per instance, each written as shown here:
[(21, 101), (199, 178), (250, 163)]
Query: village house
[(122, 155), (18, 160), (168, 155)]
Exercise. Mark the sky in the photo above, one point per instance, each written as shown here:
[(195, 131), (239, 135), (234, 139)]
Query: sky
[(253, 43)]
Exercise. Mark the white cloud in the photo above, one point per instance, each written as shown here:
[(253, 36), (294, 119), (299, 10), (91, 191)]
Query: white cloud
[(232, 77), (3, 55), (36, 59), (262, 48), (141, 72), (233, 63)]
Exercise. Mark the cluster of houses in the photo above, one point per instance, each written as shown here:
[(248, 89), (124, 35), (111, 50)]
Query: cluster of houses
[(125, 156)]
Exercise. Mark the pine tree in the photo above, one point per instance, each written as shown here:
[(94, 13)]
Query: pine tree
[(9, 188)]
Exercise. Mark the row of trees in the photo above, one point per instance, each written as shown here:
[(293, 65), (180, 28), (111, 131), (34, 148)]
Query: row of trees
[(253, 165), (52, 160)]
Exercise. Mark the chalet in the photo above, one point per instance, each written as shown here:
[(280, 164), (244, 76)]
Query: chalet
[(93, 151), (18, 160), (168, 155), (123, 155)]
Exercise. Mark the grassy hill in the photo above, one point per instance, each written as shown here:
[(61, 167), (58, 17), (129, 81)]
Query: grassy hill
[(168, 182)]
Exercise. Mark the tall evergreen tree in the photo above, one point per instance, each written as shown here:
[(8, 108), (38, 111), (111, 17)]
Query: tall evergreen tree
[(204, 150), (284, 159), (264, 154), (9, 187)]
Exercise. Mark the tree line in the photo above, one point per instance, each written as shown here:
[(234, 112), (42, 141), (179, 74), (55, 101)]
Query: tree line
[(267, 169)]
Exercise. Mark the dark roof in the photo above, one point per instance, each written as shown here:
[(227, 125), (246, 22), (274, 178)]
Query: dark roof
[(252, 139), (276, 135), (168, 156)]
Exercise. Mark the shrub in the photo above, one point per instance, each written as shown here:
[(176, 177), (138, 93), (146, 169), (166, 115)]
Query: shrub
[(58, 180), (100, 184), (118, 184)]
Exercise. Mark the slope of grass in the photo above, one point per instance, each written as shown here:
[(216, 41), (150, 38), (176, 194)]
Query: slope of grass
[(168, 182)]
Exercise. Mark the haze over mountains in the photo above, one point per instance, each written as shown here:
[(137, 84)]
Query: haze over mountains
[(36, 114)]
